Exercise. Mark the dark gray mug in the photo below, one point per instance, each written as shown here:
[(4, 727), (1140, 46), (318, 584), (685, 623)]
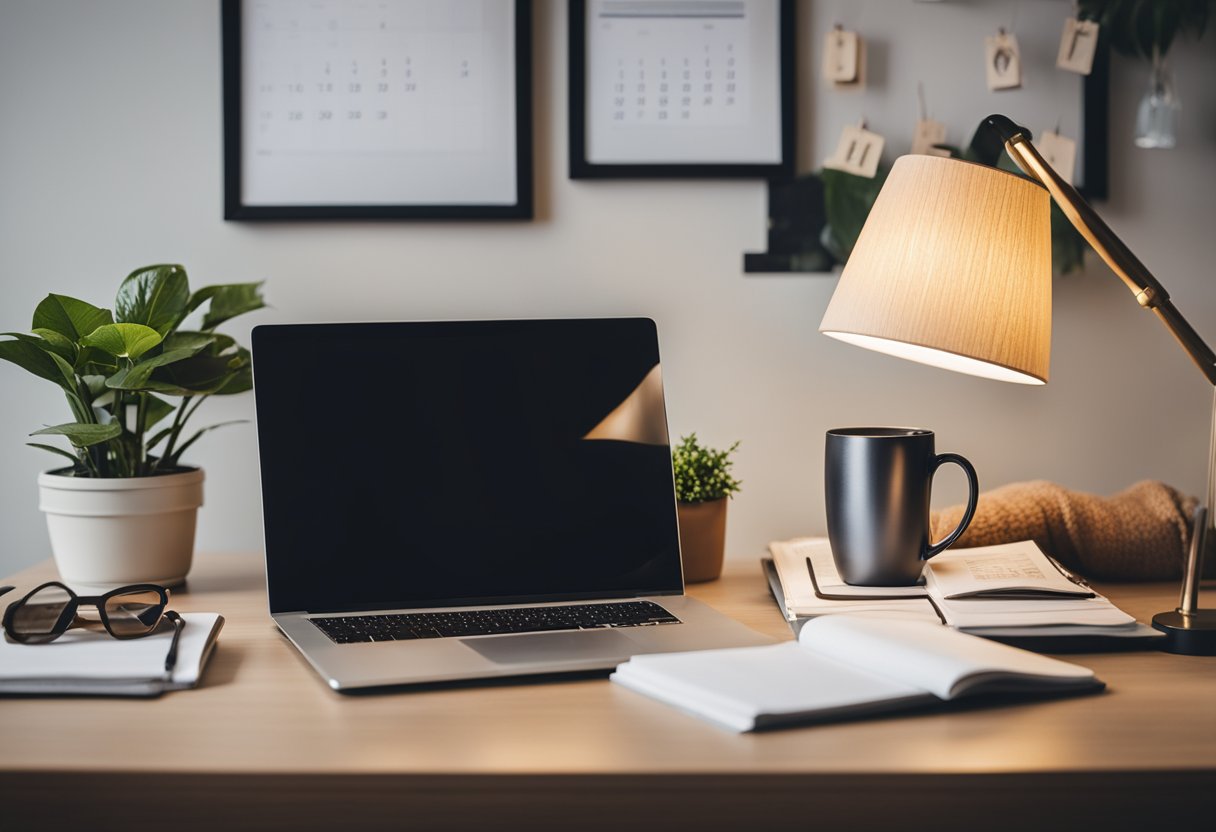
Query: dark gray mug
[(877, 483)]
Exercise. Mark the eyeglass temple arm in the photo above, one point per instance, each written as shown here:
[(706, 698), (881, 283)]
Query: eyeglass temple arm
[(1148, 292)]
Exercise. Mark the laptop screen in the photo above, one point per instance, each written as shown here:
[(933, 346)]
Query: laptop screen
[(410, 465)]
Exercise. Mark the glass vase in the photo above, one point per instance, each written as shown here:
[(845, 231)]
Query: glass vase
[(1157, 118)]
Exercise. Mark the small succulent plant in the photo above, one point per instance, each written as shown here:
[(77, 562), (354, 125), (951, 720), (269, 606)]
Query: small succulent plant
[(702, 474)]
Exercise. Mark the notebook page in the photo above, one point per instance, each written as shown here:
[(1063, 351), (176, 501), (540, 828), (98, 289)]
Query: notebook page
[(736, 686), (1007, 568), (87, 655), (933, 658), (969, 613)]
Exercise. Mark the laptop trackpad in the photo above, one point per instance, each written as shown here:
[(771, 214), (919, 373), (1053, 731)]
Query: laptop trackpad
[(586, 645)]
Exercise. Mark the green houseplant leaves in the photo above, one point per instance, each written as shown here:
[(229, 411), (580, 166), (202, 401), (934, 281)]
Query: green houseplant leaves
[(71, 318), (122, 340), (155, 297), (116, 368), (1142, 28)]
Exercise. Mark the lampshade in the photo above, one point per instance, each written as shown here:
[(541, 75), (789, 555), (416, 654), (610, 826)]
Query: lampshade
[(952, 269)]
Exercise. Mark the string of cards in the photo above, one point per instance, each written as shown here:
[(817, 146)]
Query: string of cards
[(859, 149)]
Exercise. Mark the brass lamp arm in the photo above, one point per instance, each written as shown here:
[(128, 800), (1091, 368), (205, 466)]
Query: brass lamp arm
[(1189, 628), (1149, 293)]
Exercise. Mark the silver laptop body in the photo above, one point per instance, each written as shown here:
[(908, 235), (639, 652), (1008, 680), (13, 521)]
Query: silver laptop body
[(417, 476)]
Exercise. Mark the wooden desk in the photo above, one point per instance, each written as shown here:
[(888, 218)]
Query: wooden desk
[(264, 744)]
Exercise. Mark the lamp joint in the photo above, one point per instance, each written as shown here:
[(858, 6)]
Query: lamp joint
[(1148, 297)]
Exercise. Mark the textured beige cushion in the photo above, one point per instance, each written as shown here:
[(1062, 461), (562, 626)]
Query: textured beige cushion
[(1139, 534)]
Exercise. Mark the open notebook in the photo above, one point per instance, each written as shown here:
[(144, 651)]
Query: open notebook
[(1012, 592), (82, 663), (844, 667)]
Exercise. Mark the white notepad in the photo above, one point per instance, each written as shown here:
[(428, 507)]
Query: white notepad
[(82, 662), (844, 667), (802, 599)]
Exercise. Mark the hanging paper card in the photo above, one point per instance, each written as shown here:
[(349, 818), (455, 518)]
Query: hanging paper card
[(1004, 63), (841, 56), (1078, 45), (1059, 151), (857, 152), (859, 79), (928, 133)]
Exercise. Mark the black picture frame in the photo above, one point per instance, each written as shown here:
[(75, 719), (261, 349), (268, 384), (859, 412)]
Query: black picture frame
[(236, 208), (1095, 125), (582, 168)]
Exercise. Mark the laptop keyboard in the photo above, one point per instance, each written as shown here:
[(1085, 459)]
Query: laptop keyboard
[(409, 626)]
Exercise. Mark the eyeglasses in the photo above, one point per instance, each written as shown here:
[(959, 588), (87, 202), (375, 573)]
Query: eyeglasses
[(50, 610)]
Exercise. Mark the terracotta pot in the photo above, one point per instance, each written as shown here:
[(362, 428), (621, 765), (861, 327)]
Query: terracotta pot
[(702, 539)]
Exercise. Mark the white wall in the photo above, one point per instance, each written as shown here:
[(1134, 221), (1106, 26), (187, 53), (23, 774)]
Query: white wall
[(110, 158)]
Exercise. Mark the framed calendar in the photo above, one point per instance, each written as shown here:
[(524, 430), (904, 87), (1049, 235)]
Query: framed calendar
[(681, 88), (377, 109)]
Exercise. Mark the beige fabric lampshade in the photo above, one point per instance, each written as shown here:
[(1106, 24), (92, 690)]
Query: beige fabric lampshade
[(953, 269)]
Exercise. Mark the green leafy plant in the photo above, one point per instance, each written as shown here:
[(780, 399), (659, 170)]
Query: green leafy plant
[(1144, 28), (117, 368), (847, 200), (702, 474)]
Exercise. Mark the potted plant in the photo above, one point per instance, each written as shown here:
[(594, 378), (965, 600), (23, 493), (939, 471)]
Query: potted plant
[(124, 510), (703, 484)]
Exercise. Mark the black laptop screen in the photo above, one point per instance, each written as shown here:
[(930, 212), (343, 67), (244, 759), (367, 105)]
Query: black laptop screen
[(428, 464)]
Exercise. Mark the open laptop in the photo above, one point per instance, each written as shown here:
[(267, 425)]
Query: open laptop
[(471, 499)]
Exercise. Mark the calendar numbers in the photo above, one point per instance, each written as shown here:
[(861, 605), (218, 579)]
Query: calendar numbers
[(653, 68), (372, 76)]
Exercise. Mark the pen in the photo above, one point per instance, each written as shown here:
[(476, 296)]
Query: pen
[(1067, 573)]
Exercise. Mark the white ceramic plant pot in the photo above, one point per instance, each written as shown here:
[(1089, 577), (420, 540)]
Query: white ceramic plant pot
[(110, 532)]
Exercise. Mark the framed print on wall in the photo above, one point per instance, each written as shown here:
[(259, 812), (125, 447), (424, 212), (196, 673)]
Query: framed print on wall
[(681, 88), (411, 109)]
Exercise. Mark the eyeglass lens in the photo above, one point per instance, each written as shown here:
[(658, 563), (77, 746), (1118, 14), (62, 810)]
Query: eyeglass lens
[(134, 613), (40, 618)]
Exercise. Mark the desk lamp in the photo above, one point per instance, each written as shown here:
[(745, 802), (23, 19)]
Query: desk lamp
[(953, 269)]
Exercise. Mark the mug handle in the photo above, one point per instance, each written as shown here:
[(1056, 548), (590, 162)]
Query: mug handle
[(974, 483)]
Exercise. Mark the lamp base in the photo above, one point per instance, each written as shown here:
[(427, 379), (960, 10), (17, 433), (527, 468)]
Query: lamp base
[(1191, 634)]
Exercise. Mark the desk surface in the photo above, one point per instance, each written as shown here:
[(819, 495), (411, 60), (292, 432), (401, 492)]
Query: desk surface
[(263, 717)]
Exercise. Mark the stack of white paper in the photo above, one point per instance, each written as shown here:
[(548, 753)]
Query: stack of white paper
[(972, 614)]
